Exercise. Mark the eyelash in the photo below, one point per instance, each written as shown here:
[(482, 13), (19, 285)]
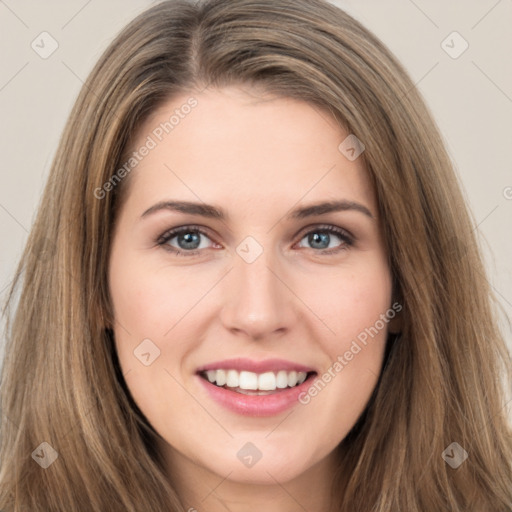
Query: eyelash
[(347, 239)]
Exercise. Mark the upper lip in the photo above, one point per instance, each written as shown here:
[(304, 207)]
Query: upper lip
[(266, 365)]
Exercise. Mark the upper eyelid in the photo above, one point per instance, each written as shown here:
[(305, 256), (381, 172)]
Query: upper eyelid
[(319, 227), (184, 227)]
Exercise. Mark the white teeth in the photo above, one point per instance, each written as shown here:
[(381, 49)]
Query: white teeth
[(221, 377), (268, 381), (248, 380), (301, 377), (232, 379), (282, 379)]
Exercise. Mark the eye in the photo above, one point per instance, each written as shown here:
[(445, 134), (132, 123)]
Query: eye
[(321, 237), (188, 240)]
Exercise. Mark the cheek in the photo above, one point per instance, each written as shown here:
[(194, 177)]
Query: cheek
[(349, 303), (148, 301), (355, 306), (156, 313), (150, 318)]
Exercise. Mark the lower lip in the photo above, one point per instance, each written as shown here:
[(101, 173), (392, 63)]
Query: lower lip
[(256, 405)]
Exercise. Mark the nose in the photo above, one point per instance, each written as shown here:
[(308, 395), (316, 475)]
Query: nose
[(257, 301)]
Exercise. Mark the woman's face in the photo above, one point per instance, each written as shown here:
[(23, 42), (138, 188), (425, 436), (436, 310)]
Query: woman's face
[(265, 289)]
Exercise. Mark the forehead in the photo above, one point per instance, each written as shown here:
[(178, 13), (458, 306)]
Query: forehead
[(239, 146)]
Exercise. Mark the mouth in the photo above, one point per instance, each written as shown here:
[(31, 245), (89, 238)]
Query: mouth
[(256, 384), (254, 388)]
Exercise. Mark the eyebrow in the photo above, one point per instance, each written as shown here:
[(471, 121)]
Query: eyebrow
[(213, 212)]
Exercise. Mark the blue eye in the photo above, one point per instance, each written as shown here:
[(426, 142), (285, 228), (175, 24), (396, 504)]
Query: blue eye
[(321, 238), (188, 240)]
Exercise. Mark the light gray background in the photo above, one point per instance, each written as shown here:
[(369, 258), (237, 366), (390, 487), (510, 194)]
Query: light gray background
[(470, 97)]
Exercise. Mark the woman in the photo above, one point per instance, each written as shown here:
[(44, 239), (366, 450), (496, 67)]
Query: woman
[(185, 340)]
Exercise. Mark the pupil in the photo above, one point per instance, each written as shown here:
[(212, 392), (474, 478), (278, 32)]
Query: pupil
[(319, 238)]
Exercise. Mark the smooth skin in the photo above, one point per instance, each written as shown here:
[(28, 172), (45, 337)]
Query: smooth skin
[(257, 157)]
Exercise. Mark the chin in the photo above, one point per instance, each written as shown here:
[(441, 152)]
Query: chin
[(263, 465), (262, 473)]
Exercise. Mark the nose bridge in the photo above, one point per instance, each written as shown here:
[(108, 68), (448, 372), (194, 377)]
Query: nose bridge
[(255, 300)]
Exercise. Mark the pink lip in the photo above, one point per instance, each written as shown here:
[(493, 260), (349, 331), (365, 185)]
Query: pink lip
[(256, 405), (267, 365)]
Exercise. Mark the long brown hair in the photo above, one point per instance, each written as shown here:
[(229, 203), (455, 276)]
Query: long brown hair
[(442, 382)]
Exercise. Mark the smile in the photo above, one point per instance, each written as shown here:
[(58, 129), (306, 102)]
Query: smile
[(255, 388), (252, 383)]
